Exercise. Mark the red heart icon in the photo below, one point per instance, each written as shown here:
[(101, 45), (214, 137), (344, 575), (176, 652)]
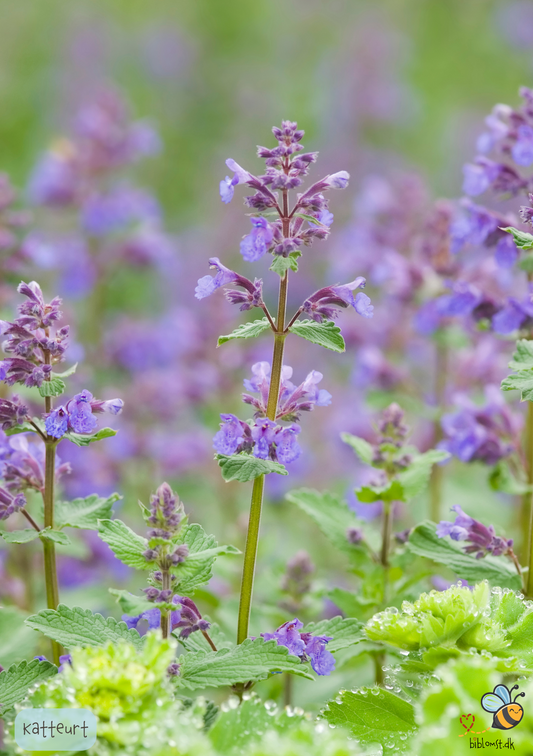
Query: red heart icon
[(467, 720)]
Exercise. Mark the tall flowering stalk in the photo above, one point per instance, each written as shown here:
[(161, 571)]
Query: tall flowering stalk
[(35, 344), (250, 450)]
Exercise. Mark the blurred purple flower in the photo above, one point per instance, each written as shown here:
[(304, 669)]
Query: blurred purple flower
[(482, 539), (258, 241)]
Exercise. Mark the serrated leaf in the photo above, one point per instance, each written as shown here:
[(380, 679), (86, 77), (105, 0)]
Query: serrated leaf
[(252, 660), (523, 356), (84, 513), (246, 331), (424, 541), (245, 467), (80, 627), (281, 265), (197, 642), (67, 373), (327, 334), (56, 536), (19, 536), (15, 681), (376, 716), (344, 632), (203, 550), (523, 382), (54, 387), (17, 641), (416, 477), (362, 448), (125, 544), (522, 239), (81, 439)]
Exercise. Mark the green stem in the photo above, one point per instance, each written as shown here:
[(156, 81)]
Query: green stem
[(527, 499), (437, 473), (287, 689), (50, 570), (252, 538), (165, 616), (386, 534)]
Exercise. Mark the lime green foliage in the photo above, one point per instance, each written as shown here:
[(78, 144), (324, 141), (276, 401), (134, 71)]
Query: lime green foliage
[(457, 691), (130, 693), (374, 716), (246, 331), (458, 621), (15, 681)]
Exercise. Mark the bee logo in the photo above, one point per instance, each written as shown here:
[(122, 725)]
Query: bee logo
[(507, 713)]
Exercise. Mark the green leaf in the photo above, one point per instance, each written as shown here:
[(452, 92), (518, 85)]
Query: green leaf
[(523, 382), (81, 439), (54, 387), (333, 517), (327, 335), (282, 264), (19, 536), (125, 544), (17, 641), (26, 428), (55, 535), (15, 681), (244, 467), (416, 477), (522, 239), (203, 550), (84, 513), (523, 356), (197, 642), (375, 716), (497, 570), (362, 448), (391, 492), (502, 478), (67, 373), (135, 605), (236, 729), (246, 331), (80, 627), (309, 218), (344, 632), (252, 660), (526, 263)]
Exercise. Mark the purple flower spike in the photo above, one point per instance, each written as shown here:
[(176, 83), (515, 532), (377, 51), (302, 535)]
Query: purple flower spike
[(288, 635), (482, 539), (308, 647), (287, 448), (324, 303), (209, 284), (258, 241), (56, 423), (264, 434), (12, 413), (80, 414), (322, 660)]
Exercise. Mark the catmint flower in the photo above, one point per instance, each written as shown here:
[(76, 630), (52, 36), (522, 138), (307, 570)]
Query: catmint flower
[(258, 241), (292, 399), (306, 646), (189, 620), (338, 180), (12, 412), (324, 303), (230, 436), (65, 660), (77, 415), (153, 617), (166, 513), (482, 539), (287, 448), (227, 185), (325, 217), (522, 149), (209, 284), (173, 669), (507, 252), (22, 462), (514, 315), (526, 212), (9, 503), (264, 435)]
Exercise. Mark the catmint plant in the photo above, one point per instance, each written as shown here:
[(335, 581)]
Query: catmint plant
[(35, 344), (281, 227)]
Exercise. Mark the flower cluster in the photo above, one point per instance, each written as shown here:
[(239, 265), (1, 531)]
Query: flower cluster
[(305, 645), (297, 581), (482, 540), (9, 503), (165, 517), (12, 412), (29, 338), (389, 455), (265, 438), (485, 433), (77, 415)]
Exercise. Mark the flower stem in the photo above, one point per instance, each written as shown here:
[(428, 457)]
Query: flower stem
[(50, 570), (165, 616), (527, 500), (252, 538)]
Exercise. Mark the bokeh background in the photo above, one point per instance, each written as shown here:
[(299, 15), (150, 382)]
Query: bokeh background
[(394, 92)]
